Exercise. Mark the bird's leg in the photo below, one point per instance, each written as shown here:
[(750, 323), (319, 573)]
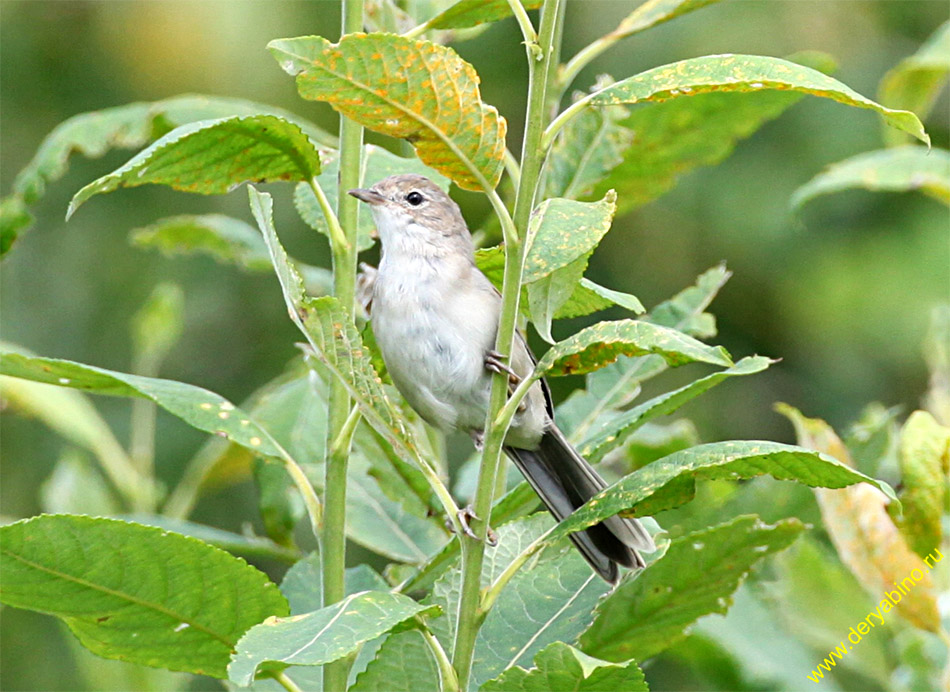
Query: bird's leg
[(495, 362), (467, 513)]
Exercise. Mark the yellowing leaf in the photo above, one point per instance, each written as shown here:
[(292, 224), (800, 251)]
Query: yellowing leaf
[(924, 451), (405, 88), (866, 539)]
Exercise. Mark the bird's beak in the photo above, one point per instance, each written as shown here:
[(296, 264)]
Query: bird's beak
[(367, 195)]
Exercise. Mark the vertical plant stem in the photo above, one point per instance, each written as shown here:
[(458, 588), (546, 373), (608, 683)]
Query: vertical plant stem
[(333, 541), (471, 615)]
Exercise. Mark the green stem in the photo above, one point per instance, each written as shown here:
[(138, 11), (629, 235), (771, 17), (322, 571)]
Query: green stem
[(524, 23), (450, 681), (338, 239), (492, 592), (333, 543), (286, 682), (470, 614)]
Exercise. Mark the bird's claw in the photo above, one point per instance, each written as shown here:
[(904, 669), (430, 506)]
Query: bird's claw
[(495, 362), (467, 513)]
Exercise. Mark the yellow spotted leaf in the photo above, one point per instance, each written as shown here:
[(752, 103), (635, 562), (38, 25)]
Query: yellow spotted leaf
[(405, 88), (924, 449)]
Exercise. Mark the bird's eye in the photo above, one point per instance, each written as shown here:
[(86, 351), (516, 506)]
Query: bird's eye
[(414, 198)]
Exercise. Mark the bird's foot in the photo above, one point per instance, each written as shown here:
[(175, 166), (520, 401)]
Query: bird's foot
[(466, 514), (495, 362)]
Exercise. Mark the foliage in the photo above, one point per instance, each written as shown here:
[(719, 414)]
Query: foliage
[(158, 589)]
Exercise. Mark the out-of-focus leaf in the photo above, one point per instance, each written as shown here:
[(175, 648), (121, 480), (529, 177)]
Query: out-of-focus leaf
[(615, 433), (278, 501), (303, 583), (135, 592), (383, 525), (806, 574), (560, 666), (894, 170), (562, 230), (213, 156), (410, 89), (671, 481), (550, 601), (196, 406), (75, 487), (937, 355), (915, 82), (228, 240), (602, 343), (468, 13), (378, 163), (654, 12), (697, 576), (742, 73), (591, 145), (245, 546), (402, 664), (14, 218), (867, 540), (157, 326), (924, 456), (652, 442), (872, 439), (322, 636), (676, 136), (72, 415)]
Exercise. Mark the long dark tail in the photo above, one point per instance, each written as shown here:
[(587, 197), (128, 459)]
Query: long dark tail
[(565, 481)]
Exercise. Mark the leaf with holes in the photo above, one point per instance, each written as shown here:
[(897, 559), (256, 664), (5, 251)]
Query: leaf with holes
[(616, 431), (602, 343), (324, 635), (213, 156), (893, 170), (133, 592), (405, 88), (696, 577), (377, 164), (671, 481), (744, 73), (198, 407)]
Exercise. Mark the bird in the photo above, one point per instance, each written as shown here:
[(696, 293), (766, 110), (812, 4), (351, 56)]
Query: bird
[(435, 318)]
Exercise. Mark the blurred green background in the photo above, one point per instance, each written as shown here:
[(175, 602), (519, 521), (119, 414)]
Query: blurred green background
[(841, 291)]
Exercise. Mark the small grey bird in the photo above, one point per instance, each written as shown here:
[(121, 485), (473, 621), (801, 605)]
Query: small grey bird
[(435, 317)]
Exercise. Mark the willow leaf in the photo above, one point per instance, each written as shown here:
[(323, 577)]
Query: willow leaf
[(743, 73), (469, 13), (894, 170), (560, 666), (405, 88), (213, 156), (562, 230)]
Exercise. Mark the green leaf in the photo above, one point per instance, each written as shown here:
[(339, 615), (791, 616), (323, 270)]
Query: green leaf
[(651, 442), (14, 218), (134, 592), (591, 145), (468, 13), (924, 455), (322, 636), (671, 481), (278, 501), (198, 407), (75, 487), (616, 431), (213, 156), (226, 239), (744, 73), (560, 666), (402, 664), (654, 12), (383, 525), (894, 170), (917, 80), (624, 300), (696, 577), (303, 583), (937, 356), (335, 340), (157, 326), (547, 295), (72, 415), (550, 602), (239, 544), (410, 89), (562, 230), (602, 343), (378, 163)]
